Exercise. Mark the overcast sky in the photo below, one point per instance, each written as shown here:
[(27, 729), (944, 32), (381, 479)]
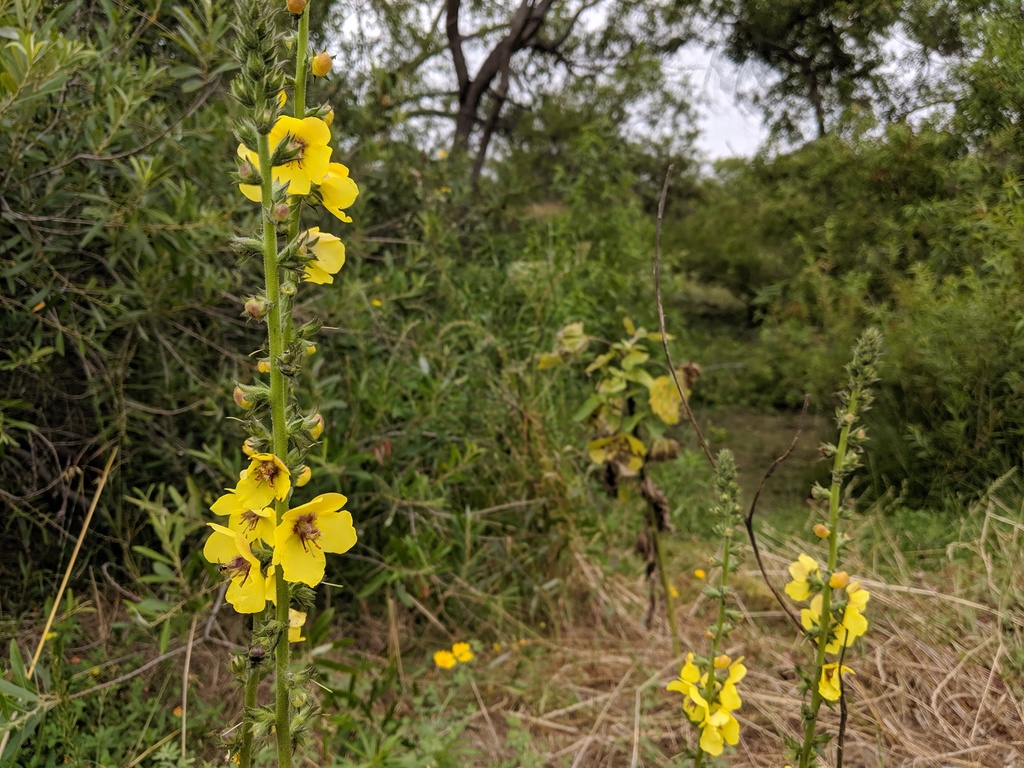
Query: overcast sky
[(729, 126)]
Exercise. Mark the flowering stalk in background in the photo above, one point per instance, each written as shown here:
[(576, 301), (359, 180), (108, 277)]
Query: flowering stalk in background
[(708, 683), (834, 616), (272, 549)]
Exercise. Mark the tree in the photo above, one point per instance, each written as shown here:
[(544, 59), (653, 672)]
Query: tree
[(465, 73)]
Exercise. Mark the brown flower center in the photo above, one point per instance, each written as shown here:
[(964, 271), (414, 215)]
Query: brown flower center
[(266, 472), (305, 528), (237, 567), (250, 519)]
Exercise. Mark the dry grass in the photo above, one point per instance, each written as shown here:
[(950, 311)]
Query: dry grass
[(934, 685)]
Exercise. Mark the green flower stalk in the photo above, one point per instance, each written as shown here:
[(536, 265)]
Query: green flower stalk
[(834, 616), (272, 549), (708, 683)]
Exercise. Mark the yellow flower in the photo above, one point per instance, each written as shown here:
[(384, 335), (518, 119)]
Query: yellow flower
[(621, 449), (296, 621), (688, 676), (247, 591), (328, 256), (717, 728), (673, 591), (801, 570), (321, 64), (853, 623), (252, 523), (307, 532), (699, 573), (266, 479), (318, 428), (445, 659), (309, 137), (338, 190), (664, 400), (303, 477), (831, 684), (461, 652)]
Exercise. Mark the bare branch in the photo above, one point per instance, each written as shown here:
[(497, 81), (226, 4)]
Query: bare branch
[(661, 320), (748, 521)]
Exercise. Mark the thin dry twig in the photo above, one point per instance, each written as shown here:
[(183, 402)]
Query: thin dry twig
[(748, 521), (661, 321), (184, 684)]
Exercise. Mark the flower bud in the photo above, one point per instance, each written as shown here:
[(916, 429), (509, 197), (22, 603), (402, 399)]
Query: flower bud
[(839, 580), (318, 428), (296, 7), (281, 212), (251, 447), (709, 635), (821, 531), (302, 476), (328, 116), (256, 308), (240, 399), (722, 661), (861, 434), (288, 288), (321, 64), (257, 654), (848, 418), (237, 665), (310, 350), (263, 366), (247, 174)]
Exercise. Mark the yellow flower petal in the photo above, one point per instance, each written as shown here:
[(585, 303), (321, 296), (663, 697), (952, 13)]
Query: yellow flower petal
[(338, 190), (462, 652), (444, 659), (266, 478), (329, 257)]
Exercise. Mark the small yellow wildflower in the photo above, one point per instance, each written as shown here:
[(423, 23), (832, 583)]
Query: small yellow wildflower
[(303, 476), (328, 256), (229, 549), (377, 303), (722, 661), (307, 532), (266, 479), (263, 366), (310, 138), (254, 524), (822, 531), (445, 659), (338, 190), (853, 623), (699, 573), (831, 684), (462, 652), (673, 591), (801, 570)]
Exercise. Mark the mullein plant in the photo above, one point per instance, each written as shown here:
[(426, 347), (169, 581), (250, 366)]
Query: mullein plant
[(628, 415), (708, 682), (270, 545), (833, 605)]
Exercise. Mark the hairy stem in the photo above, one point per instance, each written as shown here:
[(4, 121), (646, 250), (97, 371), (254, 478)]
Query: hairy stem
[(278, 398), (825, 618), (252, 682)]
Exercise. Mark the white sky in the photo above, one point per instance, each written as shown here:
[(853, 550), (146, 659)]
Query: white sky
[(728, 126)]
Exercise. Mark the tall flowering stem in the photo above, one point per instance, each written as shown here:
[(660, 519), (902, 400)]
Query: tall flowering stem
[(271, 549), (708, 683), (833, 618)]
